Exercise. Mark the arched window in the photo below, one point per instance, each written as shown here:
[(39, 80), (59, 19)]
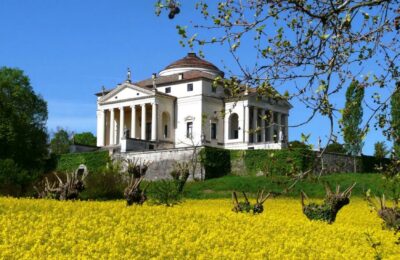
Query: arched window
[(234, 126)]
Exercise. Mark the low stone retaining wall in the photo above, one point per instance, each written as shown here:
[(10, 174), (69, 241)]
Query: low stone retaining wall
[(163, 161)]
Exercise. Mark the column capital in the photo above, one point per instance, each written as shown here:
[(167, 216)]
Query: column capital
[(142, 105)]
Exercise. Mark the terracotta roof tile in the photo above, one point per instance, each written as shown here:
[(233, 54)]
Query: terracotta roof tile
[(162, 80), (192, 61), (171, 79)]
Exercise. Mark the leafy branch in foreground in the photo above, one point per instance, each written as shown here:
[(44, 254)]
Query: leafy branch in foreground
[(312, 49)]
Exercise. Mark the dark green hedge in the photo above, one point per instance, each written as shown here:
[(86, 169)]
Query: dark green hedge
[(94, 161), (216, 162), (369, 163)]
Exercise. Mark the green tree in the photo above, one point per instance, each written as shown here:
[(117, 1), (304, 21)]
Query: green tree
[(335, 147), (298, 145), (60, 142), (352, 119), (395, 120), (85, 138), (381, 150), (23, 135)]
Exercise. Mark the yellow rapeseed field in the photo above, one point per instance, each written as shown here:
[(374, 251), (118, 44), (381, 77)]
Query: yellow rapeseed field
[(204, 229)]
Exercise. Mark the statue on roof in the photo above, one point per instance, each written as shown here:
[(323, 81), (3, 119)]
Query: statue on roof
[(128, 76)]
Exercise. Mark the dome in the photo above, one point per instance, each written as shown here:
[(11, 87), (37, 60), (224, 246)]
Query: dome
[(190, 62)]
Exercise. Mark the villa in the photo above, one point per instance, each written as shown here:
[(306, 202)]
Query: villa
[(180, 107)]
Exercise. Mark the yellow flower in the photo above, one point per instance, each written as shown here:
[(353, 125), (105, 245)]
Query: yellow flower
[(203, 229)]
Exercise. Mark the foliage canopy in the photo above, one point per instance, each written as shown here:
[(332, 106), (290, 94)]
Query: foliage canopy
[(23, 136), (313, 49)]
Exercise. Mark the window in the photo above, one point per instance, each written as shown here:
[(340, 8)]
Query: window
[(165, 131), (168, 90), (190, 87), (213, 89), (189, 129), (234, 126), (213, 130)]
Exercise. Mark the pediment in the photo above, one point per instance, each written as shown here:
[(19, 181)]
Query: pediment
[(125, 92)]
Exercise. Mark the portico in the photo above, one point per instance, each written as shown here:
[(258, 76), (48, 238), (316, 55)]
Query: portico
[(130, 112), (138, 121)]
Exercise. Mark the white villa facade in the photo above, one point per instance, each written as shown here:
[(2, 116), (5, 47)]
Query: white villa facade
[(179, 107)]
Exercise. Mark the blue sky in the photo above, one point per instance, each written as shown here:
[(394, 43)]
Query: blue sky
[(70, 49)]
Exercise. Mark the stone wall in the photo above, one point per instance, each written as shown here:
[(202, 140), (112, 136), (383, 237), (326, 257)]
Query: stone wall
[(337, 163), (163, 161)]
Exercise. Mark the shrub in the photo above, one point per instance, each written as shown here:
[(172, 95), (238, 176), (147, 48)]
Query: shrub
[(14, 180), (165, 192), (372, 163), (169, 192), (216, 162), (105, 184), (180, 174)]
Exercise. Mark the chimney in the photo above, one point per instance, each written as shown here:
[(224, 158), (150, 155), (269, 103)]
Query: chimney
[(180, 76)]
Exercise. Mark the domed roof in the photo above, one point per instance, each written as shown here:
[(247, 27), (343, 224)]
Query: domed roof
[(191, 60)]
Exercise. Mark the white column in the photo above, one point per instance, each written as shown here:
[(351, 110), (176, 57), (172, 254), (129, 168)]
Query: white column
[(133, 121), (143, 128), (255, 117), (271, 127), (279, 127), (121, 123), (154, 122), (246, 125), (112, 126), (263, 125), (101, 121), (287, 128)]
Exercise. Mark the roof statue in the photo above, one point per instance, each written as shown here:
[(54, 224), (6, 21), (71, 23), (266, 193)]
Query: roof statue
[(128, 76)]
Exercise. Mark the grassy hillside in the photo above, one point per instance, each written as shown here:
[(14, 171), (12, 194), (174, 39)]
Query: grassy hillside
[(222, 187)]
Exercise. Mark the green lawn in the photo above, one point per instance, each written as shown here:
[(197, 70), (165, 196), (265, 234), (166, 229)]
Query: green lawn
[(223, 187)]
